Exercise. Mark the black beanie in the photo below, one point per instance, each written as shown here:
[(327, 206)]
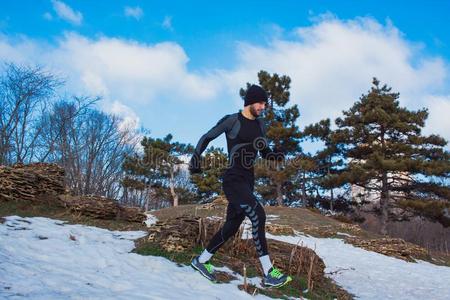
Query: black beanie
[(254, 94)]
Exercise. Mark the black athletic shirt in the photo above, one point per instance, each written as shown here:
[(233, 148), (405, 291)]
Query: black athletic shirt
[(245, 137)]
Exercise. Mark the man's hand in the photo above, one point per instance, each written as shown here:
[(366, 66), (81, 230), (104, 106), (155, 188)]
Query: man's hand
[(194, 165)]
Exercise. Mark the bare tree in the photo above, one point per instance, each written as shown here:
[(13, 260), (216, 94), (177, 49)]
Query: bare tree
[(89, 144), (24, 94)]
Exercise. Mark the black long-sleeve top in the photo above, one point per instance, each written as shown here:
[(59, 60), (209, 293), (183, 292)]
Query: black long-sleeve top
[(245, 137)]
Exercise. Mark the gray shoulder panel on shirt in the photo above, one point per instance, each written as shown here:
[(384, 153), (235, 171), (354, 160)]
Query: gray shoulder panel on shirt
[(226, 124)]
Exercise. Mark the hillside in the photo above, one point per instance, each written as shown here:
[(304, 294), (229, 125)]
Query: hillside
[(92, 248)]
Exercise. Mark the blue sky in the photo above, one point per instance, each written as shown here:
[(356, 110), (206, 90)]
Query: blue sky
[(177, 66)]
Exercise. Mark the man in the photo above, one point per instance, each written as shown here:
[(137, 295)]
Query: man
[(245, 134)]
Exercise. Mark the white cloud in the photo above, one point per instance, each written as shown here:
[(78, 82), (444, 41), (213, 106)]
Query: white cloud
[(167, 23), (123, 70), (439, 112), (134, 12), (332, 62), (130, 121), (129, 117), (65, 12), (20, 49)]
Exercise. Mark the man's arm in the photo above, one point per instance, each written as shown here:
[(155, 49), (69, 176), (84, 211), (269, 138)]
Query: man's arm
[(224, 125)]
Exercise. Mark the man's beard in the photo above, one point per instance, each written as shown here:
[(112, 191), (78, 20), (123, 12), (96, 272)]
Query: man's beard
[(254, 112)]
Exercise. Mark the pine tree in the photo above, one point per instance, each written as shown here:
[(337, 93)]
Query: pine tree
[(282, 133), (305, 166), (158, 166), (328, 160), (387, 152), (209, 182)]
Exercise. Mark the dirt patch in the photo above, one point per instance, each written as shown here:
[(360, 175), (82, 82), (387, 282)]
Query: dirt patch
[(391, 247)]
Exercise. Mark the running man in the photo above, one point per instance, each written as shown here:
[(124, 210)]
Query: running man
[(245, 133)]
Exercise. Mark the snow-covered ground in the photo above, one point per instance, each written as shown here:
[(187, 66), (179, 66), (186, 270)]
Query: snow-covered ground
[(370, 275), (42, 258)]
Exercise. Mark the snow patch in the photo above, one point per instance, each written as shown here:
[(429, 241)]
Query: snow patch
[(345, 234), (151, 219), (370, 275), (83, 262)]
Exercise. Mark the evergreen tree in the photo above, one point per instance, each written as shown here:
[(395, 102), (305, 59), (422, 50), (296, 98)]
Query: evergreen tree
[(328, 160), (305, 166), (387, 152), (209, 182), (159, 166), (282, 132)]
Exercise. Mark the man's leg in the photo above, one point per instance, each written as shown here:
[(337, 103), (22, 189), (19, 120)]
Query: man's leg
[(241, 192), (255, 212), (233, 221)]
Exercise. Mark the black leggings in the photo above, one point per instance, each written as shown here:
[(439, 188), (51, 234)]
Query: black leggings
[(241, 202)]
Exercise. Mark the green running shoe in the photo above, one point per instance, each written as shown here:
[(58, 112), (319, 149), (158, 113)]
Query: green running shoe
[(205, 269), (275, 278)]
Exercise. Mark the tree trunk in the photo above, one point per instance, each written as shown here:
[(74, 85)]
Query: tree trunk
[(279, 195), (148, 198), (331, 199), (172, 187), (331, 190), (384, 203), (304, 188), (384, 196)]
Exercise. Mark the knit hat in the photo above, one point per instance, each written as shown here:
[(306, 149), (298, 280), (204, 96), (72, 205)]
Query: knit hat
[(254, 94)]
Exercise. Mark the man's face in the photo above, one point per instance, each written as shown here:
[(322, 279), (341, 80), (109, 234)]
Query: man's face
[(257, 108)]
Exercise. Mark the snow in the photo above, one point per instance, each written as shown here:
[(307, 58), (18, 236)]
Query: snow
[(343, 233), (270, 218), (151, 219), (370, 275), (41, 258)]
